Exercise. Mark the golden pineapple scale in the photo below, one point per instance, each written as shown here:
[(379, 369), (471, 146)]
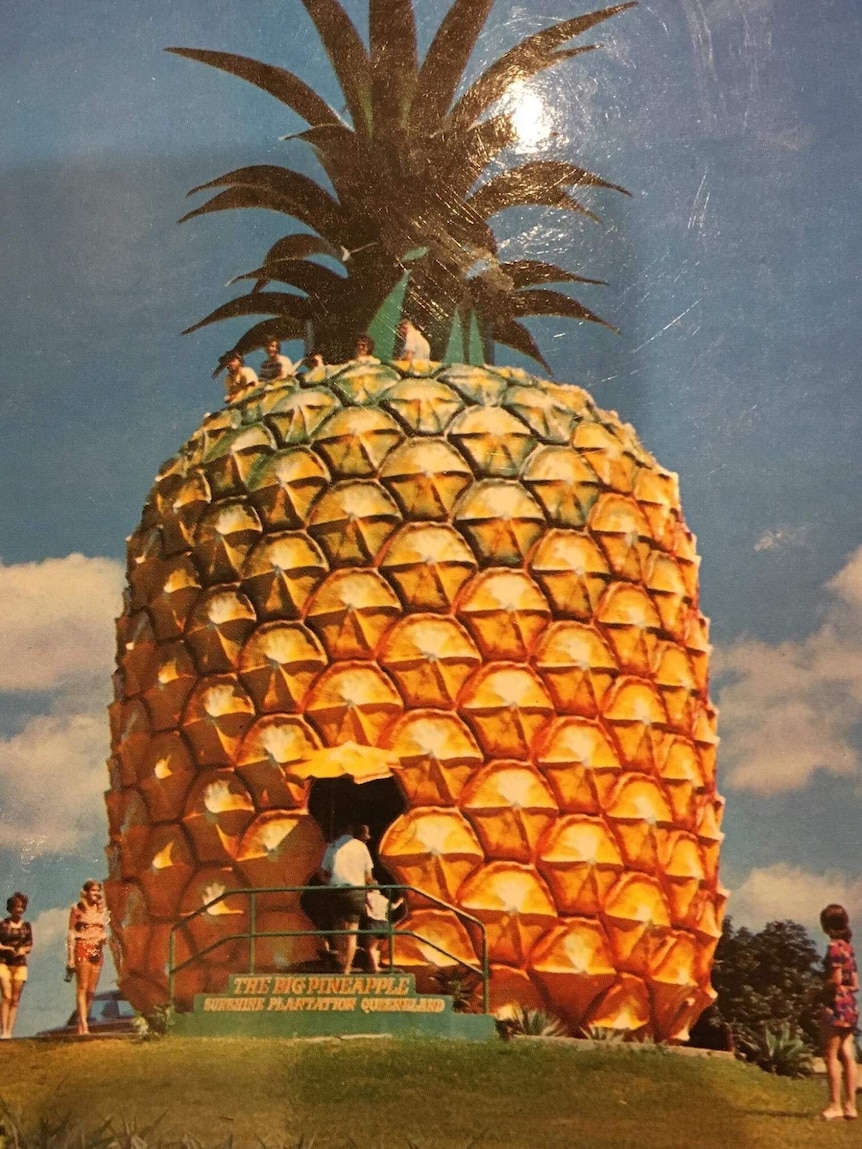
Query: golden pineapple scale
[(481, 572)]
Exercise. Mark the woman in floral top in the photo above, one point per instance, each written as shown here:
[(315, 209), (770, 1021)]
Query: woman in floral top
[(16, 941), (88, 932), (840, 1017)]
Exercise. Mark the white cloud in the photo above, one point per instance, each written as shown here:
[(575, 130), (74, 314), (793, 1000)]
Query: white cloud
[(52, 780), (794, 708), (56, 620), (847, 584), (56, 631), (49, 931), (778, 892), (782, 537)]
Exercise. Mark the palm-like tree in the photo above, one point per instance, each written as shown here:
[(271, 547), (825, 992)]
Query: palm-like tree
[(408, 223)]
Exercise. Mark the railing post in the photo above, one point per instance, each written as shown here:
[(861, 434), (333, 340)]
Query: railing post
[(252, 932), (485, 973), (389, 930), (172, 956)]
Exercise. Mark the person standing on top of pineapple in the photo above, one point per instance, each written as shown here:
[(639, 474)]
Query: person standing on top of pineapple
[(414, 345), (840, 1018), (16, 941), (238, 376), (364, 350), (85, 945), (275, 366)]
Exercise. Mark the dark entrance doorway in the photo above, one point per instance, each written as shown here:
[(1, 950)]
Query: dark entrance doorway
[(336, 803)]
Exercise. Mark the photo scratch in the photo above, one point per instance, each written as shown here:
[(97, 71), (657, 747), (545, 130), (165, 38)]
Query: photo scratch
[(681, 315)]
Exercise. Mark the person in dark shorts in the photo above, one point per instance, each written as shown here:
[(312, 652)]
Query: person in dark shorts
[(16, 941), (347, 864), (378, 911)]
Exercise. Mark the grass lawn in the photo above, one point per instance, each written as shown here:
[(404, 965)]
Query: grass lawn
[(390, 1094)]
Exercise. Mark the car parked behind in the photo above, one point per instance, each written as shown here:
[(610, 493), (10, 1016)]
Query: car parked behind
[(110, 1016)]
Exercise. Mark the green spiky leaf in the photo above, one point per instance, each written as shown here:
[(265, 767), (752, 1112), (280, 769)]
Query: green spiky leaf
[(348, 57), (445, 62), (286, 87), (526, 59), (259, 303), (412, 179)]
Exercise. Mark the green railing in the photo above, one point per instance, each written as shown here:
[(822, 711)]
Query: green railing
[(252, 934)]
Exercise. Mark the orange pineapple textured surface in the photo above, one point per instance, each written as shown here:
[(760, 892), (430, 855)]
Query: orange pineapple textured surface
[(481, 572)]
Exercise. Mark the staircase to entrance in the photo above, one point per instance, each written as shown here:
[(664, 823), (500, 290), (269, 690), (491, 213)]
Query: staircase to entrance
[(312, 1000)]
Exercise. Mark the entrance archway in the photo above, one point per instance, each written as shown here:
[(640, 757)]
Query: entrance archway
[(337, 803)]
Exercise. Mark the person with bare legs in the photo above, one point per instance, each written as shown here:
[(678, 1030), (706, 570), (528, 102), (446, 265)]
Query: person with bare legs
[(346, 866), (840, 1017), (378, 913), (16, 941), (85, 945)]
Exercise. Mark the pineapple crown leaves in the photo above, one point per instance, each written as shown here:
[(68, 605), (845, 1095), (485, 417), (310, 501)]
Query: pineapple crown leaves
[(409, 174)]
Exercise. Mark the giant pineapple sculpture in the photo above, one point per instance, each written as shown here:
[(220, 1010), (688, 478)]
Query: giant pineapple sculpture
[(468, 566)]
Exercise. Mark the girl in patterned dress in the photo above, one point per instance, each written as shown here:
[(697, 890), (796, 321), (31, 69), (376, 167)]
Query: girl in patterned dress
[(88, 932), (840, 1016)]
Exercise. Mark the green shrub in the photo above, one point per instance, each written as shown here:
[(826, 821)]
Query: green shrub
[(463, 987), (155, 1024), (525, 1022), (784, 1052), (606, 1035)]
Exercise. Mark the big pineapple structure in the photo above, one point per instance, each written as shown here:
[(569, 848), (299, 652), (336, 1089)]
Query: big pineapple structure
[(468, 566)]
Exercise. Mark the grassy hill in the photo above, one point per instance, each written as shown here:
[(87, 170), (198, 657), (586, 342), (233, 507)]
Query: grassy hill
[(396, 1094)]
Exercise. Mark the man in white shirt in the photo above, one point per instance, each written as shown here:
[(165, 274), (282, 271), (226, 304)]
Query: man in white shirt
[(275, 366), (414, 345), (347, 863)]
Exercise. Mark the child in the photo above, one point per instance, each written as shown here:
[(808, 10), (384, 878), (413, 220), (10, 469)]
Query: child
[(378, 908), (840, 1014)]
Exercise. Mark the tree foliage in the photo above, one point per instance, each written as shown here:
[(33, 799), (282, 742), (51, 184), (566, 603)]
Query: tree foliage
[(766, 981)]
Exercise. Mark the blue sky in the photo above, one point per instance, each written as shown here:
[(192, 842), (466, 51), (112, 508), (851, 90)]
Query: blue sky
[(733, 274)]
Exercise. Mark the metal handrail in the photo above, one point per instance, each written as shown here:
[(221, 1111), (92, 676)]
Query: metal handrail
[(252, 934)]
